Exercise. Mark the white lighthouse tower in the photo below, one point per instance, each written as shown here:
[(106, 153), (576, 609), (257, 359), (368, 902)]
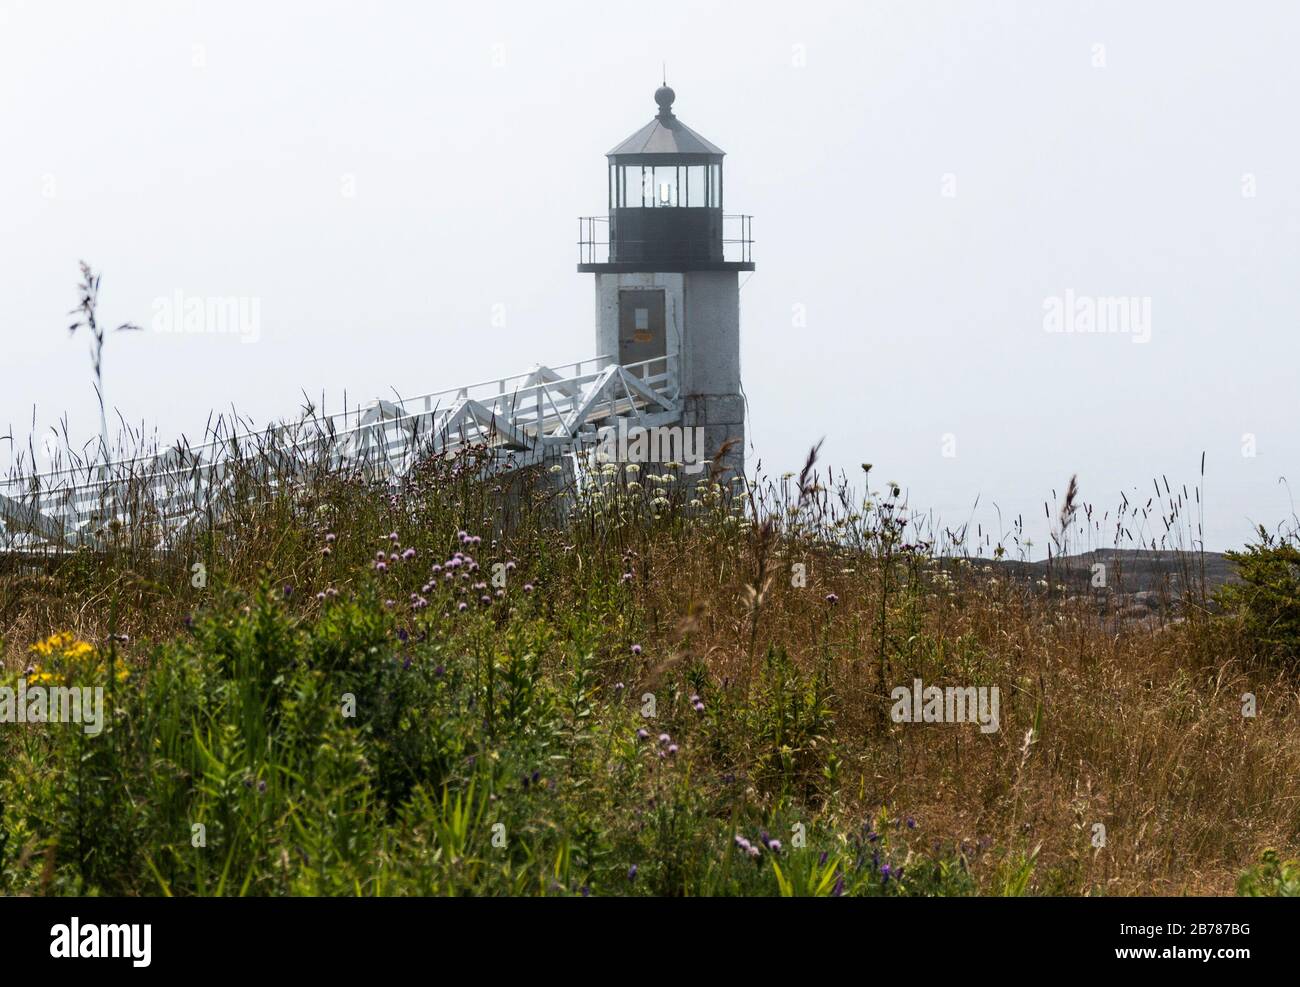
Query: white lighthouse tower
[(667, 286)]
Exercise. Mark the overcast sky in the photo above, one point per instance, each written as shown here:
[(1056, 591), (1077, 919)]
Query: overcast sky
[(928, 181)]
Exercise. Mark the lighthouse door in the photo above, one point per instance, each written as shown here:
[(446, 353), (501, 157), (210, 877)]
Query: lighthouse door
[(642, 331)]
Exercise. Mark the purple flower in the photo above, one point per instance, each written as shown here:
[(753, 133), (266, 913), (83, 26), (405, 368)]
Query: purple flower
[(774, 846), (636, 649), (885, 871), (672, 750), (393, 537), (832, 599), (462, 606), (528, 587), (380, 556), (911, 823), (643, 734), (408, 554), (329, 538), (631, 873), (664, 738), (381, 567)]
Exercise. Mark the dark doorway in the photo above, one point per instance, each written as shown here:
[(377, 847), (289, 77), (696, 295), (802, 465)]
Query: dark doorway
[(642, 330)]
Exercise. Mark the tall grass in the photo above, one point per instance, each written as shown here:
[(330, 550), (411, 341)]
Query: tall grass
[(492, 741)]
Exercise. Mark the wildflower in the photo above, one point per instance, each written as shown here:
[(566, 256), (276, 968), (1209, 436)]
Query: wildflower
[(774, 846), (329, 538), (636, 649), (393, 538), (699, 707), (672, 750), (380, 556), (911, 823), (631, 873), (462, 606), (664, 738), (381, 567), (408, 554), (832, 599), (528, 587), (643, 734), (742, 843), (261, 787), (885, 872)]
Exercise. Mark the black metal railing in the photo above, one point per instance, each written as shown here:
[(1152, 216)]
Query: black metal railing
[(734, 245)]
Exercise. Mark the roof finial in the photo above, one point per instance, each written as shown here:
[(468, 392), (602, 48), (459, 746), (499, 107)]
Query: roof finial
[(664, 96), (665, 64)]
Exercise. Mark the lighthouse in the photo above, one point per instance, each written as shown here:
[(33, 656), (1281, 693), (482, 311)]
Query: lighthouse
[(667, 275)]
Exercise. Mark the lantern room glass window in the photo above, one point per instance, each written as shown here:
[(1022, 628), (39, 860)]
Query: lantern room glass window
[(665, 186)]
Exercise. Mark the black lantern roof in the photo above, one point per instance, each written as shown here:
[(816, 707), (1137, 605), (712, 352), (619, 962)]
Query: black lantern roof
[(666, 140)]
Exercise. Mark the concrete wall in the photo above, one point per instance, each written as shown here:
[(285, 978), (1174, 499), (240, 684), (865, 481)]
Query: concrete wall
[(702, 311)]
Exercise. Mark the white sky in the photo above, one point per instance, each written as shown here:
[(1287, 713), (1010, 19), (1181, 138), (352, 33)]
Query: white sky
[(473, 136)]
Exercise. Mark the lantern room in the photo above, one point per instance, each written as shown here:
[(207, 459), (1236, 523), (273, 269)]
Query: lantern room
[(665, 193)]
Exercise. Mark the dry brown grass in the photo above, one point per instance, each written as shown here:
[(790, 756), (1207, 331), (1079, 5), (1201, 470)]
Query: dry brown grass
[(1136, 725)]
